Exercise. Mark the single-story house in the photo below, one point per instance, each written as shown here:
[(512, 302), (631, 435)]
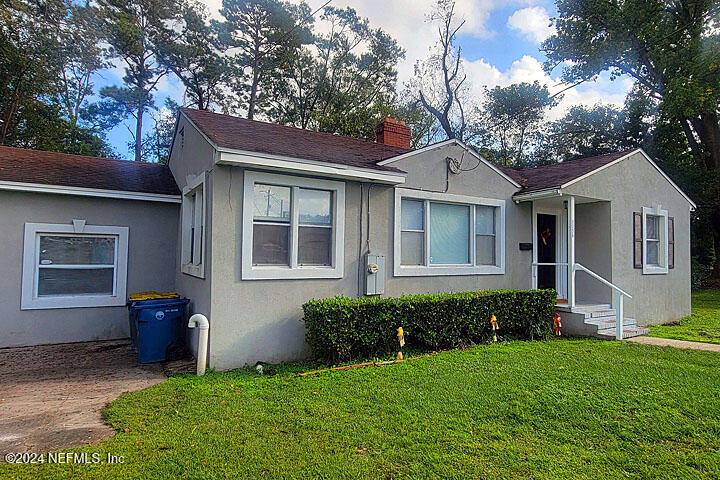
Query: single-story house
[(250, 220)]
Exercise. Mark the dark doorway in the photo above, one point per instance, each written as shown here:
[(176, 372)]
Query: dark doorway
[(546, 250)]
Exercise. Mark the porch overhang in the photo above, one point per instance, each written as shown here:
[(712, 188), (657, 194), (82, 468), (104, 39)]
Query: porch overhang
[(540, 194)]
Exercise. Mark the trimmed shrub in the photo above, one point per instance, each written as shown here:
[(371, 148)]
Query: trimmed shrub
[(342, 328)]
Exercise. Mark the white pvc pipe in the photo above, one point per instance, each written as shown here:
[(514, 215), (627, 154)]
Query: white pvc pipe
[(200, 321)]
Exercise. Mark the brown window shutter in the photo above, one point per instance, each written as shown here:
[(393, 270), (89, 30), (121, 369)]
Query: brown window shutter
[(637, 240), (671, 242)]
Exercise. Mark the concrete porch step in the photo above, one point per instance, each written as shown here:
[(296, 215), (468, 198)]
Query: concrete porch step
[(610, 321), (628, 332), (584, 307)]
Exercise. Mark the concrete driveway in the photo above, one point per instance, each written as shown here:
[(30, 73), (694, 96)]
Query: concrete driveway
[(51, 396)]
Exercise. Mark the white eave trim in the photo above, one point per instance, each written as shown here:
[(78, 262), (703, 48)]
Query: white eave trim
[(452, 141), (88, 192), (280, 163)]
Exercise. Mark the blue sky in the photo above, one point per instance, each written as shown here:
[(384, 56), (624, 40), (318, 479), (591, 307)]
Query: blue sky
[(500, 45)]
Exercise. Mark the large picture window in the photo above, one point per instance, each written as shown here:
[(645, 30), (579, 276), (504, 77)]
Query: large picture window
[(444, 234), (293, 227), (74, 266)]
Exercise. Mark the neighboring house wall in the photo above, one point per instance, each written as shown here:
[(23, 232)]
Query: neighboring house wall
[(261, 319), (191, 156), (593, 249), (151, 261), (630, 185)]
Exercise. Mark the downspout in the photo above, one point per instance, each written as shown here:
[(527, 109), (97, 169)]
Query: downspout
[(200, 321)]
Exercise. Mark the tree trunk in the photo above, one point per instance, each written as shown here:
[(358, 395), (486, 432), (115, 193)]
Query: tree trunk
[(253, 95), (138, 133)]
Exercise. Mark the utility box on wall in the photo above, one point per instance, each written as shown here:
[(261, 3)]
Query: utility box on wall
[(374, 274)]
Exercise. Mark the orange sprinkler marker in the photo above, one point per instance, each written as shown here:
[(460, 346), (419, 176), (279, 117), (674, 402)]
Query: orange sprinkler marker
[(557, 323), (494, 323)]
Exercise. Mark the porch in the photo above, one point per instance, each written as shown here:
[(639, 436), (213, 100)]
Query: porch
[(572, 253)]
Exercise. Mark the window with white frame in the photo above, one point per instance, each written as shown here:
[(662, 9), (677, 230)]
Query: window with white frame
[(655, 240), (74, 265), (292, 227), (445, 234), (193, 227)]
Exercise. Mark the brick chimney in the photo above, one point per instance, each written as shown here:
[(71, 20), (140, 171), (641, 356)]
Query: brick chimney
[(393, 133)]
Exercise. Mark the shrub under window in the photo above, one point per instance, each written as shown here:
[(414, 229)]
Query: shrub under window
[(342, 328)]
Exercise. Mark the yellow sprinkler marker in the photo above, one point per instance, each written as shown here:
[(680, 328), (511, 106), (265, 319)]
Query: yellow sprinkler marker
[(493, 321), (401, 339)]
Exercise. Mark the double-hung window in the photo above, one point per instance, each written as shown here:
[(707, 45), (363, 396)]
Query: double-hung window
[(292, 227), (74, 265), (445, 234), (655, 240), (193, 227)]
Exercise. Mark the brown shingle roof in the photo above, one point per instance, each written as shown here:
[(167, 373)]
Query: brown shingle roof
[(250, 135), (50, 168), (556, 175)]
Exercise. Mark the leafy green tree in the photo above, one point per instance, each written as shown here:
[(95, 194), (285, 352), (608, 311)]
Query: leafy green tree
[(514, 117), (81, 55), (28, 38), (343, 82), (262, 32), (157, 142), (45, 79), (133, 29), (191, 53), (671, 48), (585, 132)]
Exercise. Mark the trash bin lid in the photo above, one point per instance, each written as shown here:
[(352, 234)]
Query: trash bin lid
[(152, 296)]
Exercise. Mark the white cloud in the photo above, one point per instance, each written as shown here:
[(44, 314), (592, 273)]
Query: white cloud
[(532, 22), (529, 69)]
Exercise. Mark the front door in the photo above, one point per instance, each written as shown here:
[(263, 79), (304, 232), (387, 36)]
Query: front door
[(546, 250), (551, 247)]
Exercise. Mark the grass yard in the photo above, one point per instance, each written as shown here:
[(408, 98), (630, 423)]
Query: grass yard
[(702, 326), (557, 409)]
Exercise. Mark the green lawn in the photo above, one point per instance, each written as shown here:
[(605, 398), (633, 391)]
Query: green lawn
[(702, 326), (557, 409)]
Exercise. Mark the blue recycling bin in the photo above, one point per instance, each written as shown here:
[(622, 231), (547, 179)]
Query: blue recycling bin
[(156, 326)]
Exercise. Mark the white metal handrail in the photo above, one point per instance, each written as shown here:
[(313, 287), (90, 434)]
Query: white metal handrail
[(619, 293), (601, 279)]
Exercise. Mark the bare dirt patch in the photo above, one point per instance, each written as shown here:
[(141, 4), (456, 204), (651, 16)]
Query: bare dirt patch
[(51, 396)]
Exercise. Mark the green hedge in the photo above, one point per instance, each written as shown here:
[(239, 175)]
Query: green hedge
[(343, 328)]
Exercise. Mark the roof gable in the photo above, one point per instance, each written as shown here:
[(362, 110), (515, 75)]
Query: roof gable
[(50, 168), (564, 174), (558, 174), (239, 134), (453, 141)]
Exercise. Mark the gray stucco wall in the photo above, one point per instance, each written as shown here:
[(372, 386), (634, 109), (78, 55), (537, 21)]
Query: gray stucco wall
[(260, 320), (151, 263), (593, 249), (191, 156), (630, 185)]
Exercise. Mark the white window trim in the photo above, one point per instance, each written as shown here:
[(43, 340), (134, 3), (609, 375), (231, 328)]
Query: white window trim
[(30, 301), (649, 269), (294, 271), (197, 268), (400, 270)]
